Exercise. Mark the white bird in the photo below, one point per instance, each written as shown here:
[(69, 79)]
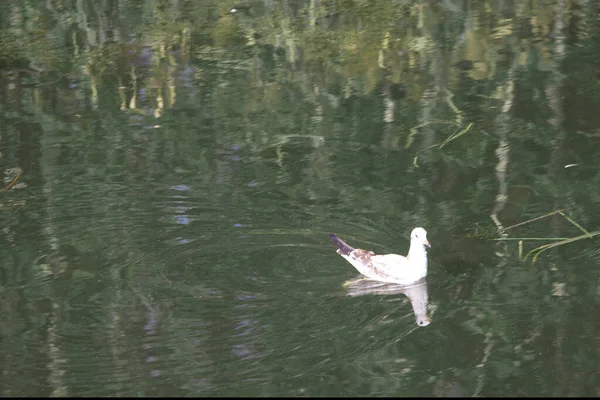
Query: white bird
[(389, 267)]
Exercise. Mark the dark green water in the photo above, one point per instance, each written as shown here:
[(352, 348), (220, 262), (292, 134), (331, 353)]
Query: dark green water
[(179, 167)]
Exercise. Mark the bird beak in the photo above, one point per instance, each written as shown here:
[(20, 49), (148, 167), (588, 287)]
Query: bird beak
[(426, 243)]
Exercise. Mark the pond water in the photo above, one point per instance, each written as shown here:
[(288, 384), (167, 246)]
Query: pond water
[(171, 172)]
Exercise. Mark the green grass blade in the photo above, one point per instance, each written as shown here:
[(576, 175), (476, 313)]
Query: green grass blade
[(575, 223), (545, 247), (456, 136), (533, 219), (531, 238)]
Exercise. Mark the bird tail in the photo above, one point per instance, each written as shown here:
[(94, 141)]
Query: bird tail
[(344, 248)]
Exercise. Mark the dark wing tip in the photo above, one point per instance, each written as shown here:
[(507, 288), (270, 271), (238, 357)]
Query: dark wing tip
[(342, 246)]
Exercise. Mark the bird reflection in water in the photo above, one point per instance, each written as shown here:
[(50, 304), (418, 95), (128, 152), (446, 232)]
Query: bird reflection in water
[(416, 292)]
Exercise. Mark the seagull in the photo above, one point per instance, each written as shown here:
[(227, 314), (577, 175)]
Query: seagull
[(392, 268)]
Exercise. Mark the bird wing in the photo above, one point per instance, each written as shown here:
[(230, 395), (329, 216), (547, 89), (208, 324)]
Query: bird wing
[(344, 249), (378, 266)]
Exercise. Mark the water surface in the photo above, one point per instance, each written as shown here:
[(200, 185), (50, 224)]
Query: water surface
[(172, 169)]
